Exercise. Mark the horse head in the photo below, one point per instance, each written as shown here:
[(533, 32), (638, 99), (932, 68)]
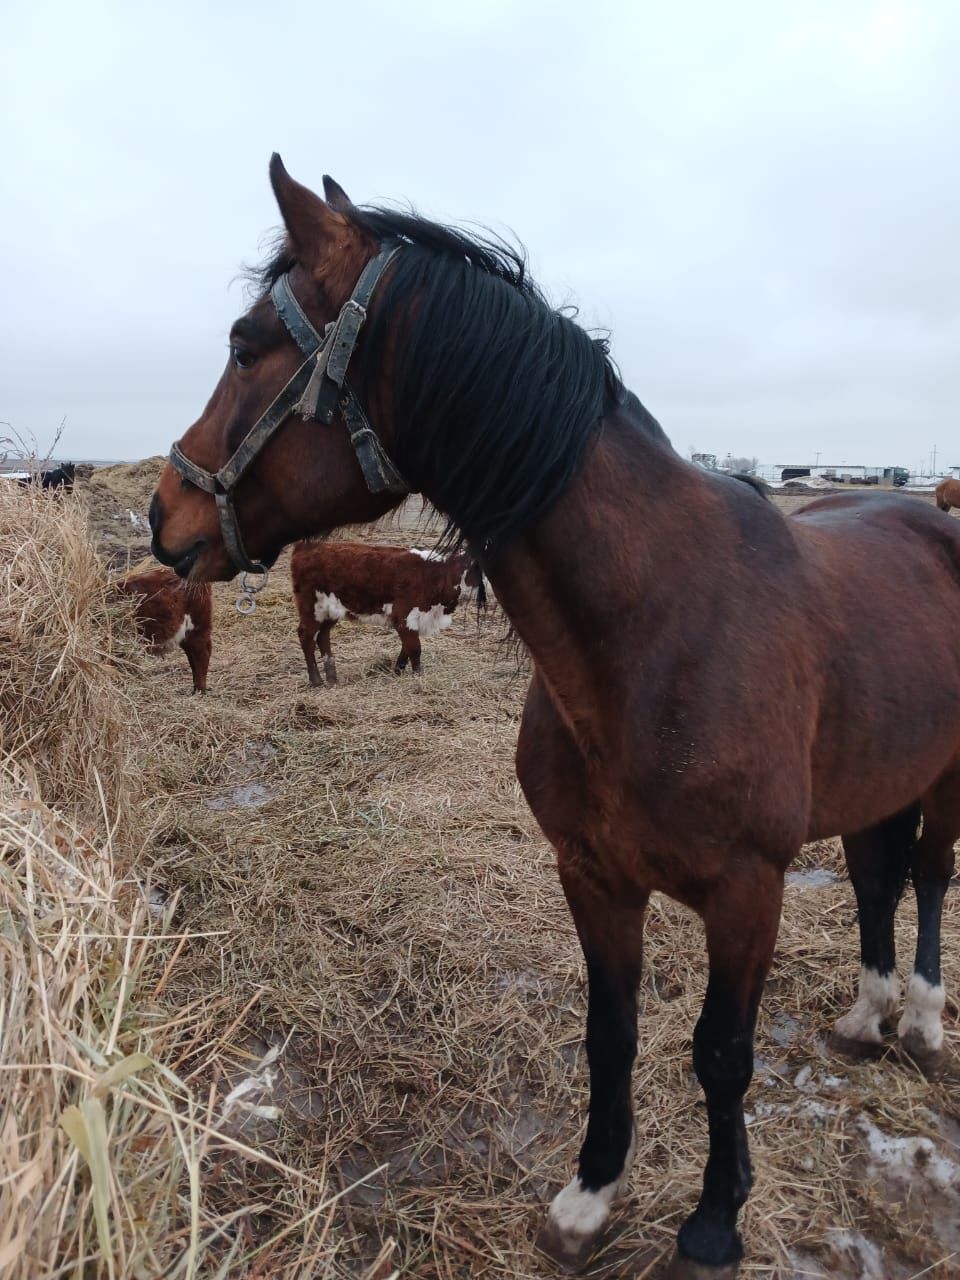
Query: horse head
[(256, 470)]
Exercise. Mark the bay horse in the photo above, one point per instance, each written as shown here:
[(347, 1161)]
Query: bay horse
[(747, 681), (947, 494)]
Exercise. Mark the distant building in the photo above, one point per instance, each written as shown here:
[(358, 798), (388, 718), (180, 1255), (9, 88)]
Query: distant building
[(844, 473)]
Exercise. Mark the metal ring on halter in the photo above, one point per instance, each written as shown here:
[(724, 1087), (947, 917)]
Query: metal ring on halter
[(246, 603)]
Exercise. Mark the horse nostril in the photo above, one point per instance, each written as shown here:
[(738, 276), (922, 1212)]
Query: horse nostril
[(155, 514)]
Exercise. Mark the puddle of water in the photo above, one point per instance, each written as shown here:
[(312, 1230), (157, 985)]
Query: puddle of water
[(249, 795), (245, 763), (811, 878), (783, 1029)]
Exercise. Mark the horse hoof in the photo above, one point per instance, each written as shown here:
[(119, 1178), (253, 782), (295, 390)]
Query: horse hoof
[(858, 1050), (682, 1268), (932, 1063), (570, 1253)]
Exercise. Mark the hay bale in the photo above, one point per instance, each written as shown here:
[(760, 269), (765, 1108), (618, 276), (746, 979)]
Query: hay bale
[(63, 707), (92, 1147), (110, 1164), (116, 500)]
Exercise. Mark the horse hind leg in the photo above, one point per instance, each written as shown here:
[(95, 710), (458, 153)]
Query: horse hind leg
[(878, 860), (409, 650), (920, 1029)]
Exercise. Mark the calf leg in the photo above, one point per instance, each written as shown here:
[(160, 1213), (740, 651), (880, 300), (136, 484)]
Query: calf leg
[(878, 860), (409, 650), (197, 646), (323, 640), (921, 1029), (741, 924), (307, 634)]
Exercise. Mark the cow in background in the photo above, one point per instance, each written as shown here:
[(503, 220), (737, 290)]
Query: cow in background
[(415, 592), (170, 611), (61, 477)]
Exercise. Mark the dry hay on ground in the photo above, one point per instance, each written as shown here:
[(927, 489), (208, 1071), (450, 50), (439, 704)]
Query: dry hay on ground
[(108, 1162), (379, 981), (404, 990), (66, 653)]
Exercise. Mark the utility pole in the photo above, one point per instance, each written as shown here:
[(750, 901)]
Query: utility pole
[(934, 459)]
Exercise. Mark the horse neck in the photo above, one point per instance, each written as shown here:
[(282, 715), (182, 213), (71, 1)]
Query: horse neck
[(597, 564)]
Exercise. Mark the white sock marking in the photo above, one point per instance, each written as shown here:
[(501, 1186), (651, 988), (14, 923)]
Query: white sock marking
[(878, 998), (921, 1021), (579, 1214)]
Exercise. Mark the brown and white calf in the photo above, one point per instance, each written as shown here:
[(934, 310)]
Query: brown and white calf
[(416, 592), (171, 611)]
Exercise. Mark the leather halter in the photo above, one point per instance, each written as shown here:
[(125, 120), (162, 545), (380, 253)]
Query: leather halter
[(317, 389)]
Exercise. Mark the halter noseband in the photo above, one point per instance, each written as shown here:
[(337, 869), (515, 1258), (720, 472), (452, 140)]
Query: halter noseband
[(314, 392)]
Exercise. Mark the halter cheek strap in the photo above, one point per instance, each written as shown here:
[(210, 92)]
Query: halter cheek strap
[(314, 393)]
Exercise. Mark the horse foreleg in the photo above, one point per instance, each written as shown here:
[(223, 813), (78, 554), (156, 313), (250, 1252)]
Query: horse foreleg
[(609, 923), (741, 923), (611, 934)]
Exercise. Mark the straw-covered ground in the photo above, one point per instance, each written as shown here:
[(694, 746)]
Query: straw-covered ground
[(361, 981)]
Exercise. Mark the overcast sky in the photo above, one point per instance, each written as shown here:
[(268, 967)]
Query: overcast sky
[(761, 201)]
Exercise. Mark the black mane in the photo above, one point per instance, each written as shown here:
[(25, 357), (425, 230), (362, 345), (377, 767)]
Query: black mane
[(495, 393)]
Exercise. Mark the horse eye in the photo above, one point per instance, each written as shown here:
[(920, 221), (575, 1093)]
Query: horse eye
[(242, 358)]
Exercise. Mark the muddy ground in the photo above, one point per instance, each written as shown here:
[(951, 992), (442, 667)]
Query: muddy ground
[(378, 932)]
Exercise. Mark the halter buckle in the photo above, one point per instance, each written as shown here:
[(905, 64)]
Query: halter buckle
[(246, 603)]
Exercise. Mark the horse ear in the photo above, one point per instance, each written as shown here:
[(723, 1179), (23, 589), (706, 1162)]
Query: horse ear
[(306, 217), (337, 198)]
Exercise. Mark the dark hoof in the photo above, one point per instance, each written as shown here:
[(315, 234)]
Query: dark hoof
[(935, 1064), (858, 1050), (682, 1268), (316, 682), (570, 1253)]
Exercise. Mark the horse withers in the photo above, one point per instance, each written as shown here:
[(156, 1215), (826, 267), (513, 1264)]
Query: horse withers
[(746, 682)]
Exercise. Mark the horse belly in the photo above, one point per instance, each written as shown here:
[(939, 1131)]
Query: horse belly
[(882, 763)]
